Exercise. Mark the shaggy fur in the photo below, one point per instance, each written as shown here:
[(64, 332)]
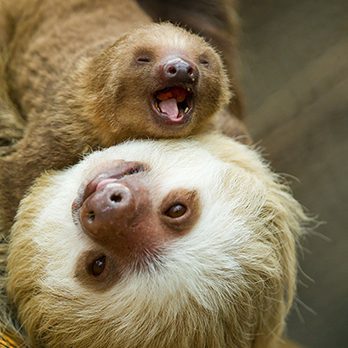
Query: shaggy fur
[(229, 282), (72, 73)]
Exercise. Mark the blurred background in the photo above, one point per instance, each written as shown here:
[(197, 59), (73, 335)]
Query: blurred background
[(295, 74)]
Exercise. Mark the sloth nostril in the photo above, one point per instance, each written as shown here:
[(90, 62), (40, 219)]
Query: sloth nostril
[(172, 70), (190, 70), (116, 198)]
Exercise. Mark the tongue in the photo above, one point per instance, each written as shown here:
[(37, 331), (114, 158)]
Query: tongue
[(170, 107)]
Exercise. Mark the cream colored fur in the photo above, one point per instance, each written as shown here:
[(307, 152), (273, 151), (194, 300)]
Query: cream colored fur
[(228, 283)]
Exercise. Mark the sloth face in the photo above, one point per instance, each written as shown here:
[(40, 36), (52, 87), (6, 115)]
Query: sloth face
[(158, 80), (186, 243)]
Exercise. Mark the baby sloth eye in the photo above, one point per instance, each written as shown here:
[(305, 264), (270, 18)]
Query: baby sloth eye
[(97, 267), (143, 59), (204, 61), (175, 211)]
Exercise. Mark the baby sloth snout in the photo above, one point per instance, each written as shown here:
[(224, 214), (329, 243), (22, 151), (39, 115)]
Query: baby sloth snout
[(178, 70)]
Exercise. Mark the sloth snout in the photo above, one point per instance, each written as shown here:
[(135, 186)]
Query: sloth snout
[(109, 210), (178, 70)]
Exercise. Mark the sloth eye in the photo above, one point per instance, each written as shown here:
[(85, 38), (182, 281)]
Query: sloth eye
[(204, 61), (97, 266), (175, 211), (143, 59)]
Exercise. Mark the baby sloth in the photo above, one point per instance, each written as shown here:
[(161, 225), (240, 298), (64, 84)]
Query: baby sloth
[(91, 75), (149, 244)]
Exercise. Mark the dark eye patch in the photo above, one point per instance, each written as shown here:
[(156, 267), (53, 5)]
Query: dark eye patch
[(97, 269), (180, 209)]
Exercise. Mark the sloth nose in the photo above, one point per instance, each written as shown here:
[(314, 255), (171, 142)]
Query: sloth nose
[(108, 211), (179, 70)]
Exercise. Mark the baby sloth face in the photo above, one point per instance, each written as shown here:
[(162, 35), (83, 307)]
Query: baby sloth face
[(186, 243), (160, 79)]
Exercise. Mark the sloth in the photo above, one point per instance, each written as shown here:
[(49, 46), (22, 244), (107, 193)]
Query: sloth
[(168, 243), (220, 28), (90, 74)]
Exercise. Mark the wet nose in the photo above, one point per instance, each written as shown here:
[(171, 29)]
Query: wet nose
[(179, 70), (108, 210)]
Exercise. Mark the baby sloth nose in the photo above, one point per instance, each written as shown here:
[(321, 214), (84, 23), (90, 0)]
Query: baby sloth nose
[(111, 209), (179, 70)]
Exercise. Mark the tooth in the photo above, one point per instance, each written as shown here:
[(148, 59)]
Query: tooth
[(186, 109)]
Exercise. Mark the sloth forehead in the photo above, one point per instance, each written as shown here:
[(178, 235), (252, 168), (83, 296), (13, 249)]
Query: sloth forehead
[(171, 163), (157, 34)]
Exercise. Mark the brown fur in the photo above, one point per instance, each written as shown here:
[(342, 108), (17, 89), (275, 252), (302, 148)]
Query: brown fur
[(69, 73), (220, 28), (11, 124)]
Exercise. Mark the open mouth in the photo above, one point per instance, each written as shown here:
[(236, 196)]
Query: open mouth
[(173, 104)]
